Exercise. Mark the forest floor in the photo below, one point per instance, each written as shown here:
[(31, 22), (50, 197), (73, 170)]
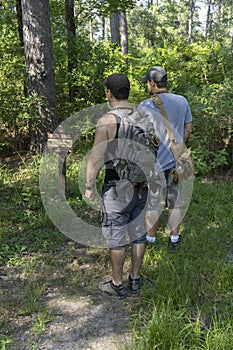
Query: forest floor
[(55, 303), (49, 297)]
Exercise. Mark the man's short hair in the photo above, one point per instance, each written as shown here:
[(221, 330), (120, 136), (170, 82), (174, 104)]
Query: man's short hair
[(119, 85)]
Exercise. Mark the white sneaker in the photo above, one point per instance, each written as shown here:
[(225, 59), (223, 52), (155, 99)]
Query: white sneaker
[(174, 238), (151, 239)]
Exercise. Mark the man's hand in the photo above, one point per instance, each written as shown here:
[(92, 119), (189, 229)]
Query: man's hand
[(90, 194)]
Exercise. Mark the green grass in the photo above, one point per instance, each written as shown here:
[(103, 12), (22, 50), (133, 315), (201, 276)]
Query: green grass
[(187, 301), (24, 226), (25, 234)]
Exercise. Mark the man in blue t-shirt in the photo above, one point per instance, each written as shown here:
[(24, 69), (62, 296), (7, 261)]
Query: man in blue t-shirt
[(180, 118)]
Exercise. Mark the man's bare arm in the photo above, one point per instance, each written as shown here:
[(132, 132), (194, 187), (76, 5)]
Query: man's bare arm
[(187, 131), (105, 132)]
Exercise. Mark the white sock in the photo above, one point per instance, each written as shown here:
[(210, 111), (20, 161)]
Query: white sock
[(174, 238), (150, 239)]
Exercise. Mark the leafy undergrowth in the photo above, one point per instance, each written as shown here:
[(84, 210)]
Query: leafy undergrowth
[(186, 302)]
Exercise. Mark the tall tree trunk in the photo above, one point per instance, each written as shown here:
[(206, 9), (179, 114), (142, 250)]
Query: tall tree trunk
[(91, 29), (124, 34), (208, 18), (232, 44), (40, 69), (103, 27), (20, 21), (190, 25), (150, 3), (20, 31), (114, 27), (71, 34)]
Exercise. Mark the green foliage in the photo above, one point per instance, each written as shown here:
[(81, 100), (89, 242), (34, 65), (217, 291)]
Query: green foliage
[(94, 61), (13, 105), (202, 72), (23, 222), (161, 24), (41, 320), (170, 329), (207, 84), (5, 342), (141, 26), (212, 127)]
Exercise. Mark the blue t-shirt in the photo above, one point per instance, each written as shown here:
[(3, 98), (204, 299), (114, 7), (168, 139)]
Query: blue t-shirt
[(178, 113)]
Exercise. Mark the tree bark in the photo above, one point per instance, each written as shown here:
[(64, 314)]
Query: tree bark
[(103, 27), (114, 27), (124, 34), (190, 26), (208, 18), (71, 34), (40, 69), (20, 31), (20, 21), (91, 29), (150, 3), (232, 44)]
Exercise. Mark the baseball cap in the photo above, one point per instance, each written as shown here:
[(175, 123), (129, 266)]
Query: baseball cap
[(115, 82), (156, 73)]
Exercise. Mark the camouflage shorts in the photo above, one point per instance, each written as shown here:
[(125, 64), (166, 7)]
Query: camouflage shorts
[(165, 193)]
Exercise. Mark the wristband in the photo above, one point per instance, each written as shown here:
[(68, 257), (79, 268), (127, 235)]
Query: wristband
[(89, 187)]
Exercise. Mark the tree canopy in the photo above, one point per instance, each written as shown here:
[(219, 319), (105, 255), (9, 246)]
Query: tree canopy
[(192, 39)]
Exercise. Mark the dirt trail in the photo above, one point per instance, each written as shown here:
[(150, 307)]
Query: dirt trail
[(77, 316), (77, 324)]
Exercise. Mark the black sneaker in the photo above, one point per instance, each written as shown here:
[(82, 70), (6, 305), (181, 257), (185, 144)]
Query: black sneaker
[(173, 247), (135, 284), (118, 292)]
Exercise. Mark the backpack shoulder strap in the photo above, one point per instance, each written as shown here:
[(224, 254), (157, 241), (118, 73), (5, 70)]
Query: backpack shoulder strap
[(122, 116), (159, 104), (118, 117), (119, 111)]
